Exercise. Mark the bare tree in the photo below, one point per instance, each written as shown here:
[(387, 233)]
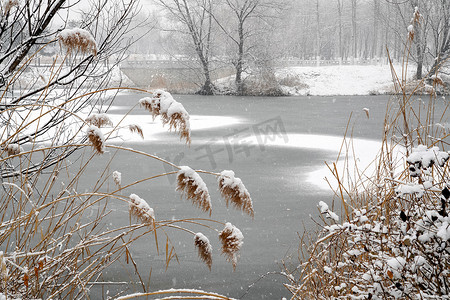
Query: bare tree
[(440, 30), (340, 4), (195, 16), (32, 28), (243, 30), (354, 31)]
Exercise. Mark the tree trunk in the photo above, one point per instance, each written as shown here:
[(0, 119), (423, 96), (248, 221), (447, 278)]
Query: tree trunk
[(318, 34), (418, 43), (354, 40), (443, 48), (239, 64), (376, 12), (340, 52)]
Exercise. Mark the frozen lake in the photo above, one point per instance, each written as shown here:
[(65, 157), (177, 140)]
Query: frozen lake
[(274, 145)]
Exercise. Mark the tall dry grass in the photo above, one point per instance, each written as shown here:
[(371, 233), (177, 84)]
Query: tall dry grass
[(54, 243), (393, 237)]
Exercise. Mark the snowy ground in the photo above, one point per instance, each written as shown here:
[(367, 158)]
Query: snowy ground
[(331, 80), (339, 80)]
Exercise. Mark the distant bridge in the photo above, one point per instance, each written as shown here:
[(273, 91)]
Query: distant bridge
[(175, 75)]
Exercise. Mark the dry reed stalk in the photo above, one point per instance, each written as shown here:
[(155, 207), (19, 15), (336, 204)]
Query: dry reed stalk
[(193, 188), (234, 192), (204, 248), (172, 294)]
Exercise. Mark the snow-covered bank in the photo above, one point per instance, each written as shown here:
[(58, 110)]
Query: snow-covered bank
[(339, 80), (329, 80)]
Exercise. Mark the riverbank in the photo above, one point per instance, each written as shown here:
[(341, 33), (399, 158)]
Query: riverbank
[(337, 80)]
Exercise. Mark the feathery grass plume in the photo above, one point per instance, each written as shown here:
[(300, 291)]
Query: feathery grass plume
[(171, 112), (194, 188), (234, 191), (204, 248), (97, 139), (141, 210), (178, 119), (99, 120), (3, 268), (134, 128), (13, 149), (8, 4), (151, 104), (117, 177), (78, 39), (232, 240)]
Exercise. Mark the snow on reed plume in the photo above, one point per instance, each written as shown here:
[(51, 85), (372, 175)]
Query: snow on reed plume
[(193, 188), (117, 177), (99, 120), (204, 248), (78, 39), (171, 112), (8, 4), (232, 240), (13, 149), (141, 210), (3, 268), (97, 139), (234, 191)]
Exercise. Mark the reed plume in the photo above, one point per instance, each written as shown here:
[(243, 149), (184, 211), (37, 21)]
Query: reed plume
[(232, 239), (78, 39), (117, 178), (151, 104), (97, 139), (204, 248), (141, 210), (234, 191), (134, 128), (13, 149), (171, 112), (8, 4), (192, 186), (99, 120), (3, 268)]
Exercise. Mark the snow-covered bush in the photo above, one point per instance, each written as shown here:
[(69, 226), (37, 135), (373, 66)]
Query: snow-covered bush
[(392, 240), (395, 246)]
